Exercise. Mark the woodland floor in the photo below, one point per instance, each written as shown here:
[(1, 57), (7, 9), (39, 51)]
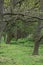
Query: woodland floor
[(19, 54)]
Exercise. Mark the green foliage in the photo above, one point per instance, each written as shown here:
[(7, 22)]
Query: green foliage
[(6, 3), (13, 25)]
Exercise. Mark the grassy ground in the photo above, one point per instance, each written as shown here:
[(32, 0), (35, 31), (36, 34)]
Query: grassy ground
[(18, 54)]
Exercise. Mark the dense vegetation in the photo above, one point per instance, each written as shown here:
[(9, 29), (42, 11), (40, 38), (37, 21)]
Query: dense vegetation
[(21, 27)]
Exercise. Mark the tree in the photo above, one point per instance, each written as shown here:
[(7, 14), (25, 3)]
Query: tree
[(38, 31), (37, 39), (1, 18), (28, 12)]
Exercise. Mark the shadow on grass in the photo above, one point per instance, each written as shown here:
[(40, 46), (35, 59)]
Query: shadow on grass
[(13, 42), (22, 44), (1, 52)]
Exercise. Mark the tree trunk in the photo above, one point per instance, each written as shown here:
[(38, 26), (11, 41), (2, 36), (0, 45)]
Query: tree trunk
[(8, 39), (1, 24), (40, 26), (37, 38), (36, 47)]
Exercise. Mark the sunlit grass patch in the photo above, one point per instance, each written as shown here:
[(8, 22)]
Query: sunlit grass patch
[(17, 54)]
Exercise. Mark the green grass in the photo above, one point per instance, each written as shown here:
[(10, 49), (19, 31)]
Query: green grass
[(19, 54)]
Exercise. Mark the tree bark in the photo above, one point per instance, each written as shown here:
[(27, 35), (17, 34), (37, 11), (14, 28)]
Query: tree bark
[(8, 39), (37, 38), (1, 17)]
